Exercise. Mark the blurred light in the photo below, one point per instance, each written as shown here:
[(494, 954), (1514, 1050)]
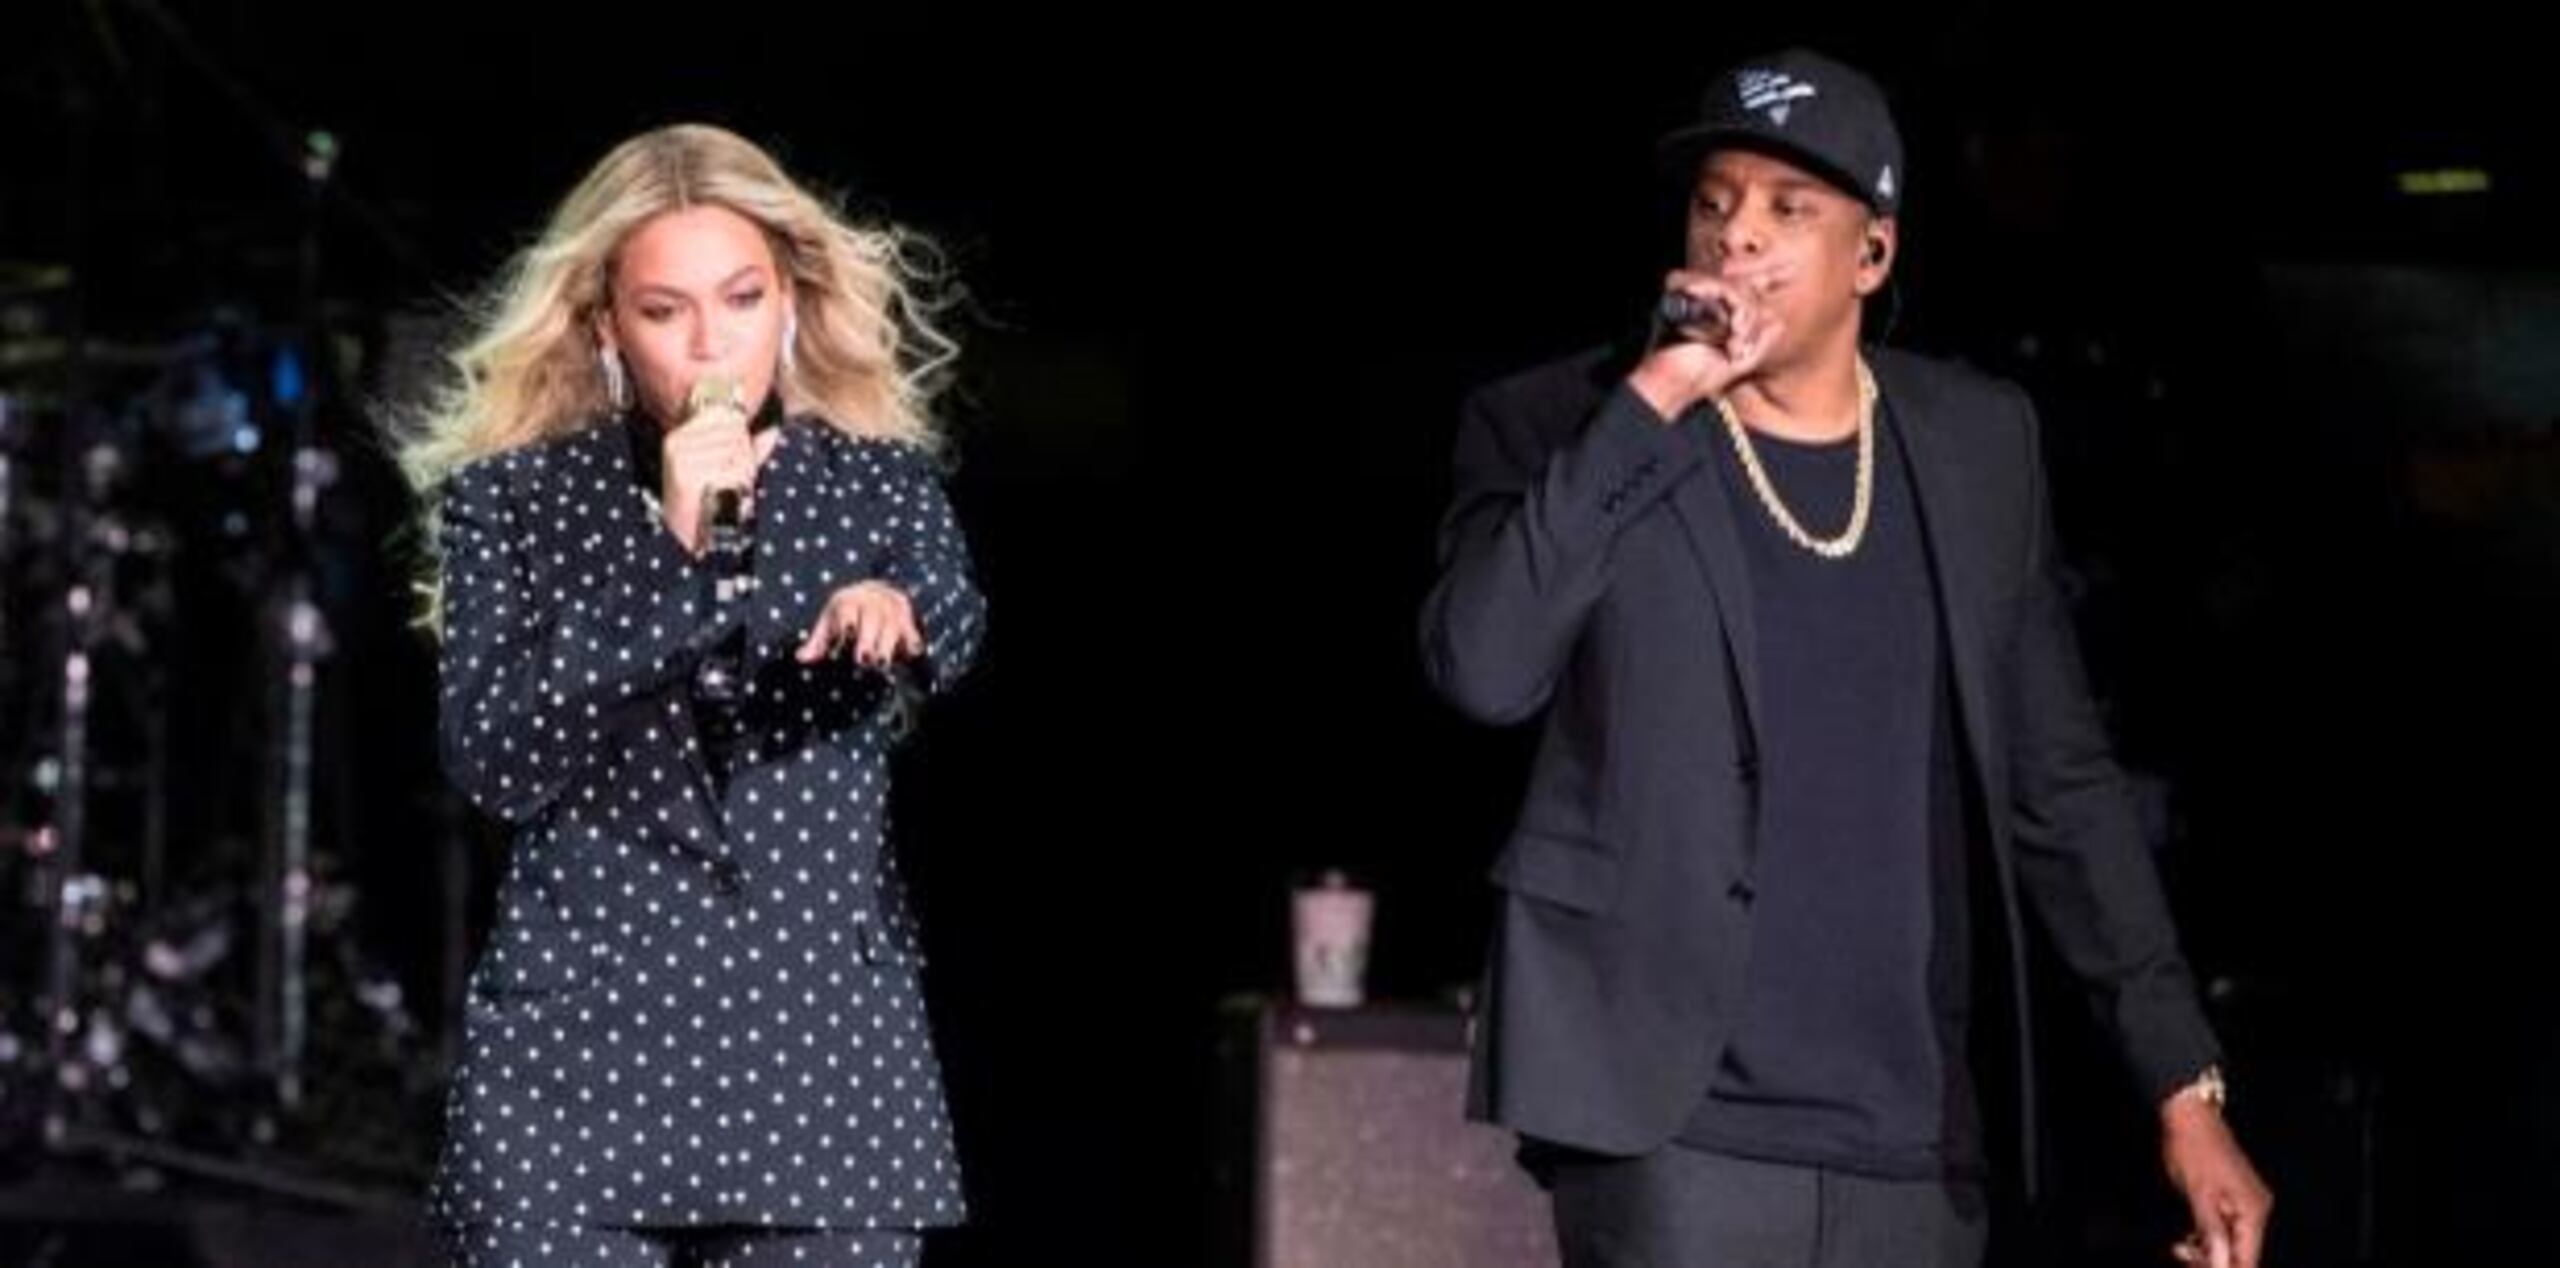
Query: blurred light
[(2444, 182), (284, 378)]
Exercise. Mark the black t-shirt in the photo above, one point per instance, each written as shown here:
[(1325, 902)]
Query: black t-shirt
[(1849, 1049)]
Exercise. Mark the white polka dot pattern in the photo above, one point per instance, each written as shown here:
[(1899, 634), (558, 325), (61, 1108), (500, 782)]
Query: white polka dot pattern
[(698, 1007), (524, 1245)]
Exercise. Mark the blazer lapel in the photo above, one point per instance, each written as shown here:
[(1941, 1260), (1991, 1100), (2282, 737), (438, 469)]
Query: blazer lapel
[(1959, 545), (1706, 514), (633, 528), (793, 575)]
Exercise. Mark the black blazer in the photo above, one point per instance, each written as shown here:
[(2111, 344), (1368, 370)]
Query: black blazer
[(1590, 579)]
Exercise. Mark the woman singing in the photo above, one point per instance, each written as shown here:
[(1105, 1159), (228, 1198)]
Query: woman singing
[(695, 561)]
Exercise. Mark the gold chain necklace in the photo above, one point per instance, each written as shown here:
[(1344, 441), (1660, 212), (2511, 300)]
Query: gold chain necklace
[(1829, 548)]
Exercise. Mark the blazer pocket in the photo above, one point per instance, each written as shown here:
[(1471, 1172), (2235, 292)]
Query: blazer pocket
[(871, 943), (539, 956), (1567, 871)]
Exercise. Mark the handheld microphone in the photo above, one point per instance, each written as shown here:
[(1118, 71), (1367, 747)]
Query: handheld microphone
[(1693, 317), (727, 545)]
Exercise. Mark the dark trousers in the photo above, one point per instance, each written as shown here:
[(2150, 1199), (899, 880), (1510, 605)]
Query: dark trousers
[(1680, 1207)]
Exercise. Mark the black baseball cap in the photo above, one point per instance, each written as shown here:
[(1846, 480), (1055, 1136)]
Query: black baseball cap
[(1823, 115)]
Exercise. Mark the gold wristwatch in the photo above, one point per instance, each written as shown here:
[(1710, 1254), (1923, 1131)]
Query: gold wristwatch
[(2208, 1087)]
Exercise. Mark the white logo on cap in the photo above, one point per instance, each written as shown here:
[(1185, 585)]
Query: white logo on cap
[(1774, 92), (1884, 183)]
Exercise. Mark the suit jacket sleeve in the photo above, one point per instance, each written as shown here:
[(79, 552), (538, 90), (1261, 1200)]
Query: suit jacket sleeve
[(928, 559), (1523, 549), (533, 668), (2082, 862)]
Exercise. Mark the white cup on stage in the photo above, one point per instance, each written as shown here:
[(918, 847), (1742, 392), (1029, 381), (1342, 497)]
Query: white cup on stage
[(1329, 930)]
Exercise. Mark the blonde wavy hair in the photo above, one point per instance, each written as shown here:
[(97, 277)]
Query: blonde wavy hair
[(869, 357)]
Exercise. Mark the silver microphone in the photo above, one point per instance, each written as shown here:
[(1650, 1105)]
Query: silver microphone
[(1694, 316)]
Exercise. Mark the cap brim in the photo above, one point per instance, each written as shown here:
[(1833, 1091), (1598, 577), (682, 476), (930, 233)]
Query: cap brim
[(1678, 154)]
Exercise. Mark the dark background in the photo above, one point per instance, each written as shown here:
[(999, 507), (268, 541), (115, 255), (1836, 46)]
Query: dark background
[(1229, 278)]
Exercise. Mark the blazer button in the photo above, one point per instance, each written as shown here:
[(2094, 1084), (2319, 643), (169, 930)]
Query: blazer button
[(1747, 769), (1741, 892), (727, 877)]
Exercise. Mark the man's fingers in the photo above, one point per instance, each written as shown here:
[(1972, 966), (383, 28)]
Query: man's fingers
[(2248, 1234)]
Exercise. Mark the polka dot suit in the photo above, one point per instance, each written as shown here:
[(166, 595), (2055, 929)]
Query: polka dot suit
[(700, 1006)]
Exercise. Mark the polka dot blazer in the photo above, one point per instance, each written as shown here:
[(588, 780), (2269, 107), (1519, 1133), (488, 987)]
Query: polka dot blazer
[(700, 1004)]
